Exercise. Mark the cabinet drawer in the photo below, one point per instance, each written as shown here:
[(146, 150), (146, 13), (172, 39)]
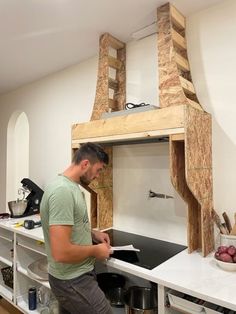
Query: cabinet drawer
[(179, 302)]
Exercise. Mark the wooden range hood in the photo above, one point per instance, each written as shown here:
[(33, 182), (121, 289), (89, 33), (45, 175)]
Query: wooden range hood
[(180, 118)]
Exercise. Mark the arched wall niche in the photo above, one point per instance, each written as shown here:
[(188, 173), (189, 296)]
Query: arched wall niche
[(17, 154)]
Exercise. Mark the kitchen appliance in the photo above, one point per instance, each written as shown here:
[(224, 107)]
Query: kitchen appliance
[(152, 253), (31, 202), (17, 208)]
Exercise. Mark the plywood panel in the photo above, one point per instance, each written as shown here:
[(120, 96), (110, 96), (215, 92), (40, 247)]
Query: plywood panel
[(101, 103), (178, 179), (170, 90), (198, 148), (103, 185)]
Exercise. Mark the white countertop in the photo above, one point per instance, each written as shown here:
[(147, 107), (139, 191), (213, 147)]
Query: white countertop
[(189, 273), (36, 233)]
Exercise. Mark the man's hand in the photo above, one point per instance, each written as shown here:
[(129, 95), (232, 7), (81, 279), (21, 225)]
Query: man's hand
[(102, 251), (100, 237)]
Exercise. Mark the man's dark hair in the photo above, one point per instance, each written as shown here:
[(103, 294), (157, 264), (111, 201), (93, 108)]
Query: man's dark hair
[(91, 151)]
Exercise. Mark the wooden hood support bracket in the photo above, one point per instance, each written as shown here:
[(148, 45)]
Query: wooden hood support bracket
[(191, 153), (110, 96)]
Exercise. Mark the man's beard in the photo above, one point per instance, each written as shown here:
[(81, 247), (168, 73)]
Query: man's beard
[(85, 180)]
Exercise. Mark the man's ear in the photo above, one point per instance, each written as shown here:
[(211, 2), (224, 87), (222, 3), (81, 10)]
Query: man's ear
[(85, 164)]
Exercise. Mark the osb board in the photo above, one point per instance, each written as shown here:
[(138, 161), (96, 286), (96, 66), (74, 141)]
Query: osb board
[(177, 173), (103, 188), (105, 210), (120, 95), (165, 118), (101, 103), (170, 89), (198, 158)]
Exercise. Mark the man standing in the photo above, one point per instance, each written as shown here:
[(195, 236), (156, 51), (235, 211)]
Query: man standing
[(68, 236)]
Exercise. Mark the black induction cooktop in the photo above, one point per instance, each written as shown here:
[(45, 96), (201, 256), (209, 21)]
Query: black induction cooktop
[(152, 253)]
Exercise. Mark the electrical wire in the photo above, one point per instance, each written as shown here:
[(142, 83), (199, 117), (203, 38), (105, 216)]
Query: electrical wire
[(131, 105)]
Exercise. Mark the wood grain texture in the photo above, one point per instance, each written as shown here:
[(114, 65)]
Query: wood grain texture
[(170, 90), (178, 179), (104, 82), (172, 59), (103, 187), (198, 158), (103, 103), (165, 118)]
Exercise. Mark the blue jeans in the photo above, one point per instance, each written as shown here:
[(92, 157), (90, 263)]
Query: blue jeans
[(80, 295)]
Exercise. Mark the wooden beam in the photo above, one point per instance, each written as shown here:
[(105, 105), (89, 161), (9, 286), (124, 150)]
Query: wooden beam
[(112, 104), (178, 40), (177, 137), (113, 84), (187, 86), (182, 63), (114, 63), (129, 137), (115, 43), (177, 18), (160, 119), (194, 104)]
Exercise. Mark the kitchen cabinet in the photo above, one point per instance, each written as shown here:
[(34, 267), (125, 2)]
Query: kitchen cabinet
[(185, 273), (19, 248)]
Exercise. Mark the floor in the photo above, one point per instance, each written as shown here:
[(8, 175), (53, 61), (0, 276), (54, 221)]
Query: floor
[(7, 308)]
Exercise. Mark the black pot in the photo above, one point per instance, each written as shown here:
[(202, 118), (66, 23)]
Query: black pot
[(112, 285), (108, 281)]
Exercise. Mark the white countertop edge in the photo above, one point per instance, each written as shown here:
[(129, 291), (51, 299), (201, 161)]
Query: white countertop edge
[(188, 273)]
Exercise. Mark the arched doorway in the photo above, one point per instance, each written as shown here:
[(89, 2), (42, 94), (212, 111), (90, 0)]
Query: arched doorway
[(17, 153)]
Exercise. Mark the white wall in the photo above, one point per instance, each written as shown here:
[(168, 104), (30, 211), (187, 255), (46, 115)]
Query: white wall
[(54, 103), (138, 169), (212, 49)]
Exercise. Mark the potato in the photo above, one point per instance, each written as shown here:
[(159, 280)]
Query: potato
[(225, 257)]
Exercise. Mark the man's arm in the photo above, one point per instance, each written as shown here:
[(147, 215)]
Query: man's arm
[(64, 251)]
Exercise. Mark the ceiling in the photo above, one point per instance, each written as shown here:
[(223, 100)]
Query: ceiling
[(40, 37)]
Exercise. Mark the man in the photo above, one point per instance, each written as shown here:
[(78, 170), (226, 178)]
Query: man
[(68, 236)]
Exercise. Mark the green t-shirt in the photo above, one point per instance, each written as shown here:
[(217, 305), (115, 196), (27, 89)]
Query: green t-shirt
[(63, 204)]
